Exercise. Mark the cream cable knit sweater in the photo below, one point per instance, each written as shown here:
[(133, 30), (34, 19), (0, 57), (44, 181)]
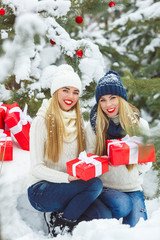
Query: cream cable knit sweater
[(42, 168), (119, 177)]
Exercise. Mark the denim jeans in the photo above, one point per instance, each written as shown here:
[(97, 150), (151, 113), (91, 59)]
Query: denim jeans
[(97, 210), (73, 198), (127, 205)]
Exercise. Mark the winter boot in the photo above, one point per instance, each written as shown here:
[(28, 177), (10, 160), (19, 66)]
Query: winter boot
[(63, 225), (50, 221)]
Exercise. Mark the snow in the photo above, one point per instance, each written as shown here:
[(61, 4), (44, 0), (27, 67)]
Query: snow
[(154, 43), (28, 60), (146, 9), (20, 221)]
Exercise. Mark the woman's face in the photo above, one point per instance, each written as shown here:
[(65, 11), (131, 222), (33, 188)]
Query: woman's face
[(110, 105), (67, 97)]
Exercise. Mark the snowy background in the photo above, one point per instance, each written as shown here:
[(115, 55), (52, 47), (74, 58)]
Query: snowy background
[(36, 63)]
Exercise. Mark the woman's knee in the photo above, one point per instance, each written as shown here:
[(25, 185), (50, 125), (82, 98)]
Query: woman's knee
[(96, 185), (123, 206)]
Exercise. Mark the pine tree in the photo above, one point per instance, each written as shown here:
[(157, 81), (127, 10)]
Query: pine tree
[(23, 61)]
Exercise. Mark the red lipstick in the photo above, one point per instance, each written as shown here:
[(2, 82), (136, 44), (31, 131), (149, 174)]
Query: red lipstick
[(111, 110), (68, 102)]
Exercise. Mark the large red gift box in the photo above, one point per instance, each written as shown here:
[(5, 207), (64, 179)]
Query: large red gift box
[(87, 166), (130, 150), (18, 125), (6, 146)]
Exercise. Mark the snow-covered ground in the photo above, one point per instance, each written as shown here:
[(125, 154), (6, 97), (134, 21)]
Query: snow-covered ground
[(19, 221)]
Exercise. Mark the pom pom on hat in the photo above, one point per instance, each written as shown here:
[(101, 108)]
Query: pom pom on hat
[(65, 76), (110, 84)]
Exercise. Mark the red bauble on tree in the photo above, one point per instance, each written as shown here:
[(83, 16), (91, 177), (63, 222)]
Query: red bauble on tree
[(79, 53), (79, 19), (111, 4), (2, 11), (52, 42)]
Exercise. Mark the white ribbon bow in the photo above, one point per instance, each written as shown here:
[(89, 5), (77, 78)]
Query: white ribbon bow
[(127, 138), (24, 117), (84, 158)]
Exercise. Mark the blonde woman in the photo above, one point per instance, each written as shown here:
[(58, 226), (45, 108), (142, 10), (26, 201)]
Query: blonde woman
[(57, 136), (113, 117)]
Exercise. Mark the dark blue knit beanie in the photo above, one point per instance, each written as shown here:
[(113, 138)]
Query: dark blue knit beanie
[(110, 84)]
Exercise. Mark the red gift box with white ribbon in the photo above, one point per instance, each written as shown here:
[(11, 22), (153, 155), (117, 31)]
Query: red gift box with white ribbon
[(130, 150), (87, 166), (3, 110), (6, 146), (16, 121)]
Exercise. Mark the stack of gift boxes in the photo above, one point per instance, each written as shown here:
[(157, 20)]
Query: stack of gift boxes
[(129, 150), (12, 122)]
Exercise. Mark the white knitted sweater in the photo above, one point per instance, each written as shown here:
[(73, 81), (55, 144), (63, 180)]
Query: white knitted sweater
[(119, 177), (42, 168)]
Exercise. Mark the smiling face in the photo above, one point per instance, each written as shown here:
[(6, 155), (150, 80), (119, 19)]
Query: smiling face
[(109, 105), (67, 97)]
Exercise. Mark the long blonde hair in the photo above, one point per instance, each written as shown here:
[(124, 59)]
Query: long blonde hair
[(56, 130), (128, 116)]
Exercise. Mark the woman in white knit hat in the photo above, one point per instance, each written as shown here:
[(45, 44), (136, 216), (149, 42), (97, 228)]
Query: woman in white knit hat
[(57, 136)]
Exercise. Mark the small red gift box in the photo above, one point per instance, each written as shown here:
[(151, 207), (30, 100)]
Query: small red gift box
[(130, 150), (87, 166), (3, 110), (6, 146), (18, 125)]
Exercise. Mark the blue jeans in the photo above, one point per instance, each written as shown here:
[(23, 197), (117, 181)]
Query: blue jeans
[(97, 210), (127, 205), (73, 198)]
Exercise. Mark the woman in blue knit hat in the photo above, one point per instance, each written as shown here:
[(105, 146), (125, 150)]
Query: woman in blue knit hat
[(113, 117)]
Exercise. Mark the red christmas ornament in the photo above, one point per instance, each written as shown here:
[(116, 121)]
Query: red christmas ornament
[(79, 19), (2, 11), (111, 4), (52, 42), (79, 53)]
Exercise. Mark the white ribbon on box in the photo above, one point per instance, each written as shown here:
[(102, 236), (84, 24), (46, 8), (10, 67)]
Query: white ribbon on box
[(23, 119), (3, 136), (5, 108), (84, 158), (133, 147)]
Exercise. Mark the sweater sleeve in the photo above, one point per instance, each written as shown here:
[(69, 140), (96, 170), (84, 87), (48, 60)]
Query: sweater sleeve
[(37, 143), (90, 139), (144, 126), (144, 167), (145, 129)]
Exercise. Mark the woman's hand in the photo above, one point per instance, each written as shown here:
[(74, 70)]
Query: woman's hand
[(105, 156), (71, 178), (109, 162)]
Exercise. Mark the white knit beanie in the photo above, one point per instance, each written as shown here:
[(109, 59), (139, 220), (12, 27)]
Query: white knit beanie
[(65, 76)]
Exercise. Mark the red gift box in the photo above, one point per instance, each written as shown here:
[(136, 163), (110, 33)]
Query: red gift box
[(130, 150), (18, 125), (6, 146), (3, 110), (87, 166)]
